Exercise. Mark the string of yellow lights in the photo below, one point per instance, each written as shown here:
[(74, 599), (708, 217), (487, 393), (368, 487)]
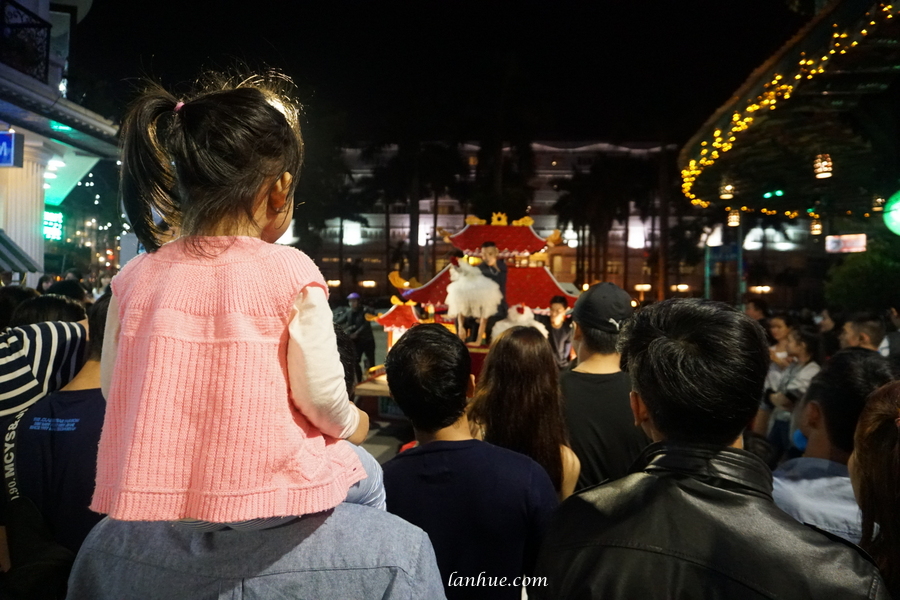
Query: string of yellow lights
[(778, 89)]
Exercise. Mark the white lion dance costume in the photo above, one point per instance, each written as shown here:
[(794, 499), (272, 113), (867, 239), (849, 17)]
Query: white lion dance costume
[(471, 294), (518, 316)]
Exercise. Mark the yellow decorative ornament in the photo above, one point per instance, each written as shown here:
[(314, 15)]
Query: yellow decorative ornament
[(402, 284), (498, 218), (525, 221), (555, 238), (396, 301), (473, 220)]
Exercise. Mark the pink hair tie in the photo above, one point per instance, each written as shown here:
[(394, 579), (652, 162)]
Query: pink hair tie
[(178, 106)]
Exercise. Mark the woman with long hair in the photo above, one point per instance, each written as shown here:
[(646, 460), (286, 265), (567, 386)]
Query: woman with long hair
[(518, 405), (875, 474)]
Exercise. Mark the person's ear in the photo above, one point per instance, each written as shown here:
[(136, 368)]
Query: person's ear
[(280, 192), (638, 409), (812, 415), (470, 387)]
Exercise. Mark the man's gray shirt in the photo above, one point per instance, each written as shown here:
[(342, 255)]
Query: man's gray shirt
[(351, 552)]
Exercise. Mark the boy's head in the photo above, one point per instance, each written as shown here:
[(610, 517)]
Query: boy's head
[(697, 367), (599, 313), (489, 253), (863, 330), (837, 395), (428, 372)]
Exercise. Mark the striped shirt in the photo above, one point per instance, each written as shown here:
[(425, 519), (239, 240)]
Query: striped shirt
[(36, 360)]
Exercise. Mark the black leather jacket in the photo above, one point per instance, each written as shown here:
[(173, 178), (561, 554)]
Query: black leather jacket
[(694, 521)]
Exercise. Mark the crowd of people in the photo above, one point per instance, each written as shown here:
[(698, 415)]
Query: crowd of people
[(191, 433)]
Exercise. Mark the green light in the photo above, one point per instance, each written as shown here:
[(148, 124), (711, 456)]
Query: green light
[(767, 195), (892, 213), (810, 210), (779, 193), (56, 126), (53, 225)]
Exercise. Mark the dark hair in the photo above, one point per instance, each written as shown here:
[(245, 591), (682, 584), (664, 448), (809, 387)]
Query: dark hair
[(44, 279), (518, 400), (347, 352), (69, 288), (12, 296), (428, 375), (205, 163), (760, 304), (597, 341), (841, 389), (870, 324), (559, 300), (49, 307), (808, 336), (699, 367), (488, 244), (96, 315), (76, 273), (876, 473), (788, 319)]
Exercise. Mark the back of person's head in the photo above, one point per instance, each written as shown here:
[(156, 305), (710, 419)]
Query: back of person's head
[(518, 401), (75, 274), (347, 352), (44, 282), (96, 315), (807, 336), (870, 325), (761, 306), (49, 307), (699, 367), (202, 160), (428, 375), (11, 296), (599, 313), (69, 288), (841, 388), (875, 472)]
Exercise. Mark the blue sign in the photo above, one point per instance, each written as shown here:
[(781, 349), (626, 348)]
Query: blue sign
[(11, 149), (724, 253)]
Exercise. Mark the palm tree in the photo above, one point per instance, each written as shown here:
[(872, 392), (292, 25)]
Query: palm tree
[(503, 179), (436, 168)]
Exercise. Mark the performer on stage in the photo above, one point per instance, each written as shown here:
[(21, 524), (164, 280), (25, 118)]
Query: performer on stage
[(495, 269), (470, 294)]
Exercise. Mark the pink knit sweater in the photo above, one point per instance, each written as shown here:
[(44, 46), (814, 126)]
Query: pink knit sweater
[(199, 421)]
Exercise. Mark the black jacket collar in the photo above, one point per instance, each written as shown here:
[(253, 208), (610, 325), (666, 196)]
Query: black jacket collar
[(709, 463)]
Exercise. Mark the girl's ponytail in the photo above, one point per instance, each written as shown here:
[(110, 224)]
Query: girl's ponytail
[(147, 180)]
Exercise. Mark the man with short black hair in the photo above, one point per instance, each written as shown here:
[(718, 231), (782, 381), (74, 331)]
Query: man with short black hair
[(695, 518), (815, 488), (601, 427), (863, 330), (483, 507), (559, 328), (494, 268)]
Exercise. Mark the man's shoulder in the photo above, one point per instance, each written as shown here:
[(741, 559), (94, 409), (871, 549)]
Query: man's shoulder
[(65, 410), (349, 533), (475, 457), (643, 519), (349, 551)]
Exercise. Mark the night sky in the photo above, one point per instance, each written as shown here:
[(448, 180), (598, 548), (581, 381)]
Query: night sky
[(608, 70)]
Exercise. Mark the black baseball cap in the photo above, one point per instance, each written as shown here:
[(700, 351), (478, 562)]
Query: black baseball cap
[(604, 306)]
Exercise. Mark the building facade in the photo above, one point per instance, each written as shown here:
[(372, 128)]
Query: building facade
[(62, 141)]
